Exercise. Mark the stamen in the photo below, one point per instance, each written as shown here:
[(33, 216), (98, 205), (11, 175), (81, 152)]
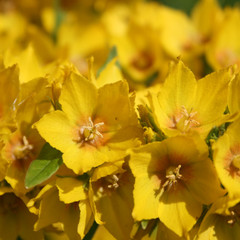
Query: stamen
[(109, 184), (22, 151), (89, 133), (172, 176), (234, 215), (189, 121)]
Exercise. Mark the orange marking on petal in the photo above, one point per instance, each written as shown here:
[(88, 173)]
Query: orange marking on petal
[(231, 160)]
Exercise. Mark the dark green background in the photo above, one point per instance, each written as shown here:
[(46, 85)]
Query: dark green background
[(187, 5)]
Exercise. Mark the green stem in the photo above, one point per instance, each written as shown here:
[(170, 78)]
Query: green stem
[(58, 19), (91, 232)]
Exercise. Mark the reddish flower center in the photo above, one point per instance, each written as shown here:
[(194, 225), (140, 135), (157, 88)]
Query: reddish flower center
[(142, 61), (172, 177), (89, 133), (232, 161), (22, 150), (184, 120), (234, 215)]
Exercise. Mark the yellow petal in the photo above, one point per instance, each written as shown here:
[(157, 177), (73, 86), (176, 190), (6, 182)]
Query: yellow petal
[(179, 211), (223, 48), (86, 218), (102, 233), (117, 220), (110, 74), (178, 89), (217, 222), (70, 189), (205, 185), (233, 96), (78, 98), (83, 159), (70, 218), (28, 63), (211, 98), (54, 125), (106, 169), (50, 207), (177, 93), (206, 16), (114, 106), (144, 165), (226, 149)]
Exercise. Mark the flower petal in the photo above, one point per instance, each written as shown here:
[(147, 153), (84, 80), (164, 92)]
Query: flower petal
[(56, 129), (78, 98), (179, 211)]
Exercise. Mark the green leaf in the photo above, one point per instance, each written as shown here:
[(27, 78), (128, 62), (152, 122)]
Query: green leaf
[(42, 168), (144, 224), (113, 53)]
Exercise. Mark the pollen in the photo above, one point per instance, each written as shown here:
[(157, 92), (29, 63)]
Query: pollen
[(23, 150), (189, 117), (109, 184), (234, 216), (184, 120), (172, 177), (89, 133)]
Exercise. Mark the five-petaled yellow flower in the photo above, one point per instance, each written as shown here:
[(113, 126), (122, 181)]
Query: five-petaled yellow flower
[(94, 126)]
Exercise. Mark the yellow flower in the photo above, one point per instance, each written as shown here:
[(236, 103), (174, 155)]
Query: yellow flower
[(15, 219), (12, 27), (224, 49), (29, 65), (24, 144), (207, 16), (178, 41), (173, 178), (184, 105), (221, 221), (83, 37), (226, 157), (95, 126), (74, 215), (233, 96), (111, 185), (9, 83), (140, 54)]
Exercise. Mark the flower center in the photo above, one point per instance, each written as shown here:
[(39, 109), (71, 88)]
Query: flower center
[(111, 183), (108, 184), (227, 57), (23, 150), (234, 215), (236, 161), (142, 61), (184, 120), (89, 133), (189, 120), (172, 177)]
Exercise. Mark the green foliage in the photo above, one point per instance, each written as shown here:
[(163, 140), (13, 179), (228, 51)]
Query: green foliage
[(225, 3), (144, 224), (214, 134), (184, 5), (44, 166), (187, 5)]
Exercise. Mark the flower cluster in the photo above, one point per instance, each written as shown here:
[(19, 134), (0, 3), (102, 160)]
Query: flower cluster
[(119, 120)]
